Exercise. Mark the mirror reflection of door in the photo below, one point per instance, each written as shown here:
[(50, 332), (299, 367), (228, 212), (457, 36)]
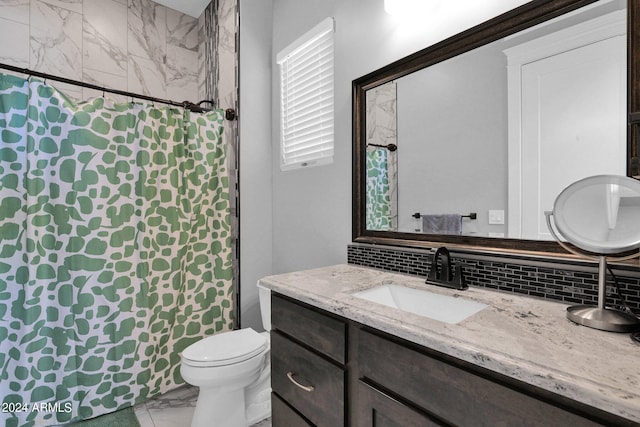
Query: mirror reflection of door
[(564, 132), (382, 169)]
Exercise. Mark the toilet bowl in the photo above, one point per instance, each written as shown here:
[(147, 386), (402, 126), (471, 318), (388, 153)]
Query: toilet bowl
[(232, 370)]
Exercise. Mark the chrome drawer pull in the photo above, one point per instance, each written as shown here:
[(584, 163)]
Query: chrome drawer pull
[(308, 388)]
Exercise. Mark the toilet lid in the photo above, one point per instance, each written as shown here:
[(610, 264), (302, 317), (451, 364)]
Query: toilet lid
[(226, 348)]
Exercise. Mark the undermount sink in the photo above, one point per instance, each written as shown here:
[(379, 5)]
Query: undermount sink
[(444, 308)]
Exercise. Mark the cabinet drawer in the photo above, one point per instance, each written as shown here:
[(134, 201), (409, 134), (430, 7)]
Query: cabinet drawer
[(283, 415), (323, 405), (374, 408), (452, 393), (319, 331)]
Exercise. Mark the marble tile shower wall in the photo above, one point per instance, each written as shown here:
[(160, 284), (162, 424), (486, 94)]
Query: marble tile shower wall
[(134, 45), (227, 69), (573, 284)]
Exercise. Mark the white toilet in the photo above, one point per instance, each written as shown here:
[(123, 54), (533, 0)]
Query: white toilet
[(232, 370)]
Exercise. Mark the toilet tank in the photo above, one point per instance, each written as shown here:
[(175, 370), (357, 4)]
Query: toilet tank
[(265, 306)]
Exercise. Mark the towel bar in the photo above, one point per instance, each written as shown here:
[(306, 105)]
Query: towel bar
[(472, 215)]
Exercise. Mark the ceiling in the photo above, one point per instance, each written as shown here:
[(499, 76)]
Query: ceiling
[(190, 7)]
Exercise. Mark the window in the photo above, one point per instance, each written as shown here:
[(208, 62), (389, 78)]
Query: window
[(306, 99)]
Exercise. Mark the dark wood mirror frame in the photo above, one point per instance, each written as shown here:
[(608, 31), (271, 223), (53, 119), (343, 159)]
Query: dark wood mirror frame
[(511, 22)]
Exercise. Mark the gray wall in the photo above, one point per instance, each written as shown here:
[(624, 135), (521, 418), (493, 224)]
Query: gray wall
[(312, 207), (302, 219), (452, 139), (255, 154), (311, 218)]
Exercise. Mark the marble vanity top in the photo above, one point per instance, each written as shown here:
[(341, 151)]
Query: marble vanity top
[(525, 338)]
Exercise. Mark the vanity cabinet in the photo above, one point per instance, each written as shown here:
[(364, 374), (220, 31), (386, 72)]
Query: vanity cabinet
[(375, 408), (307, 366), (451, 392), (330, 371)]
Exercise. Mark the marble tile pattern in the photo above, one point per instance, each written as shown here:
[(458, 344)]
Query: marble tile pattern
[(105, 37), (227, 87), (132, 45), (147, 41), (55, 39), (17, 52), (525, 338), (209, 49), (201, 56), (15, 10), (173, 409), (182, 30)]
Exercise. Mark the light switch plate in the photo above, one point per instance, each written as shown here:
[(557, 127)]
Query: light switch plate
[(496, 217)]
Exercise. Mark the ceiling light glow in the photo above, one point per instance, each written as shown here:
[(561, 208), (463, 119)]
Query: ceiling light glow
[(407, 7)]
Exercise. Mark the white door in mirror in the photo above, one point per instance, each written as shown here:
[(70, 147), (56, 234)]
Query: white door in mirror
[(558, 131)]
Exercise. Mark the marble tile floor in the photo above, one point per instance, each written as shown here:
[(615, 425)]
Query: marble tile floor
[(173, 409)]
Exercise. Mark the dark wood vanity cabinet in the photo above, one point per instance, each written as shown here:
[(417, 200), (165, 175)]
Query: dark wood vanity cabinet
[(307, 366), (375, 408), (448, 391), (363, 377)]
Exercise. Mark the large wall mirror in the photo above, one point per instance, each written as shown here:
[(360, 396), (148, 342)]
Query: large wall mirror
[(469, 141)]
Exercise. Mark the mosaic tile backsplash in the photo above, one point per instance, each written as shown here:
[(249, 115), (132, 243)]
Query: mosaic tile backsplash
[(573, 284)]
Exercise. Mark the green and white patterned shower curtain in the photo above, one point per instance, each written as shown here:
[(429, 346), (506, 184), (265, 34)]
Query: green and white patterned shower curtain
[(379, 209), (114, 250)]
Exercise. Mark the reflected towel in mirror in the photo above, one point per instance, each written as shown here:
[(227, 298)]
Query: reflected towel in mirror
[(442, 224)]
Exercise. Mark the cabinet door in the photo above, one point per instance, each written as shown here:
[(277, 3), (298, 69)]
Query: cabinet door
[(309, 383), (453, 393), (376, 409), (316, 330), (283, 415)]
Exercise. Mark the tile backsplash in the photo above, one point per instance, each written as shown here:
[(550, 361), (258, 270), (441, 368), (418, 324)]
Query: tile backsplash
[(570, 282)]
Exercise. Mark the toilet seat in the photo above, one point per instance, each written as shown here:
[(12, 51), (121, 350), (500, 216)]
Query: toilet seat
[(227, 348)]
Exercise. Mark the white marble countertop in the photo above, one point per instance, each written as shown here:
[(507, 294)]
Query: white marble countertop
[(529, 339)]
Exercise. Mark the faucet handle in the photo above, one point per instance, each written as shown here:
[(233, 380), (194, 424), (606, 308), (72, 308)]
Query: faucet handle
[(433, 270), (458, 278)]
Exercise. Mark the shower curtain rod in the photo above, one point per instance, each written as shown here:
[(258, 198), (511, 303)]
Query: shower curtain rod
[(230, 113)]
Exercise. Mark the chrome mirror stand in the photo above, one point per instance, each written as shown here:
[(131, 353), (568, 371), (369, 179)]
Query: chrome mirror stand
[(601, 317)]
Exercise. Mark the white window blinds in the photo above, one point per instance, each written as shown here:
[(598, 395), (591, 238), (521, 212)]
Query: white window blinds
[(306, 99)]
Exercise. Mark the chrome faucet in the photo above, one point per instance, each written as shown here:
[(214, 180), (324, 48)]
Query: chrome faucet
[(444, 276)]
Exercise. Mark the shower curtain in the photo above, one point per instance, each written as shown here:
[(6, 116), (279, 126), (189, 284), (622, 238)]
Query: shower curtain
[(379, 212), (114, 250), (382, 164)]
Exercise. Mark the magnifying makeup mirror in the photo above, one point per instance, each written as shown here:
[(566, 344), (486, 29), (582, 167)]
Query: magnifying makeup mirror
[(601, 216)]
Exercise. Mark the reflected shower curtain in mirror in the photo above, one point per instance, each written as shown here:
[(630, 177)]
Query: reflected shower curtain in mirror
[(114, 250), (382, 170), (379, 215)]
